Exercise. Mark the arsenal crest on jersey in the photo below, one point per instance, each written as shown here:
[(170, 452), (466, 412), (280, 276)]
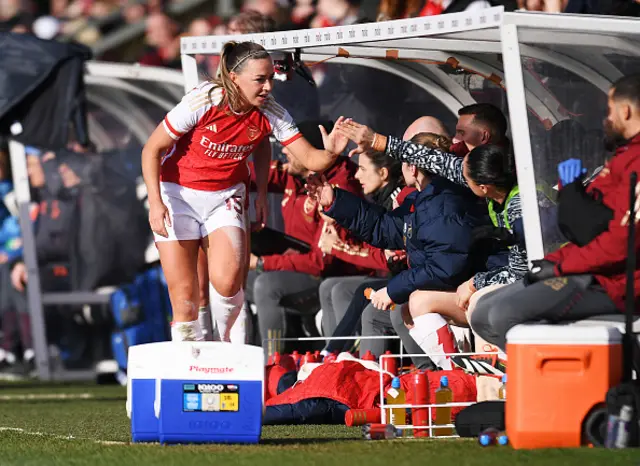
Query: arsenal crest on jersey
[(253, 132)]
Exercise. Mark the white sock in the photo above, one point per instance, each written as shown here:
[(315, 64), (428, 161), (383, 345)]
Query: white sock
[(206, 324), (432, 334), (186, 331), (7, 356), (239, 330), (226, 311), (29, 354)]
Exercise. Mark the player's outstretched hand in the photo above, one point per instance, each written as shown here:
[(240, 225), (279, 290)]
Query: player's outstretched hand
[(362, 135), (319, 189), (334, 142)]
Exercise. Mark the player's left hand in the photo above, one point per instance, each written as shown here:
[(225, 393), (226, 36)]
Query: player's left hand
[(334, 142), (381, 299), (262, 210)]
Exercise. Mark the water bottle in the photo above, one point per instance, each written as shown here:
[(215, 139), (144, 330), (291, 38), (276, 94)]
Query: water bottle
[(622, 437), (390, 364), (420, 416), (613, 423), (502, 393), (368, 356), (489, 437), (296, 358), (379, 432), (396, 396), (360, 417), (443, 413)]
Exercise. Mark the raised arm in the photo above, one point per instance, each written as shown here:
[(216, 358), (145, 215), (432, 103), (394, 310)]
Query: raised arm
[(434, 160), (318, 160)]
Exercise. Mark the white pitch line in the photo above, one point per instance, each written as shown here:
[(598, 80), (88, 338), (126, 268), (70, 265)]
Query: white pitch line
[(47, 396), (59, 437)]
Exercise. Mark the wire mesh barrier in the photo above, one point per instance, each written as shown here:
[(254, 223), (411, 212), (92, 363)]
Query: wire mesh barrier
[(429, 424)]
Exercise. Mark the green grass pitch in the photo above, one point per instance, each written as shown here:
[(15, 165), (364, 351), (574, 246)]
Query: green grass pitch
[(44, 424)]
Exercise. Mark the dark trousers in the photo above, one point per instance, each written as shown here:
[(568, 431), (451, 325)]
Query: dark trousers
[(277, 295), (380, 323), (350, 322), (554, 300), (16, 325)]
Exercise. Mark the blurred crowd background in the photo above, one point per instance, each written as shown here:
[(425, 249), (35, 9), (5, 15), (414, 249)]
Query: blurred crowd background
[(113, 28)]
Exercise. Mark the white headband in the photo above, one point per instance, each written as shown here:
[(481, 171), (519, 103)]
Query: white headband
[(252, 54)]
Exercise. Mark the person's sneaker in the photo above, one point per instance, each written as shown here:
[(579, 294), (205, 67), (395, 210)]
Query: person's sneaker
[(29, 363), (486, 364), (10, 370)]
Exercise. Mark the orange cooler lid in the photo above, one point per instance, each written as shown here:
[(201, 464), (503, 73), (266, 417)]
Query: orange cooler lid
[(538, 334)]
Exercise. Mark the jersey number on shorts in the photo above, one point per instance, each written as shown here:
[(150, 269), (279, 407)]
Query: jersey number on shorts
[(235, 203)]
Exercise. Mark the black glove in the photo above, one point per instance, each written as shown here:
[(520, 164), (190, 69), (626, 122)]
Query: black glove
[(397, 265), (492, 232), (540, 270)]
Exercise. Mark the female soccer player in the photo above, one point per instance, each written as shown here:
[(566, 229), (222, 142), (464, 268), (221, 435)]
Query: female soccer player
[(194, 166)]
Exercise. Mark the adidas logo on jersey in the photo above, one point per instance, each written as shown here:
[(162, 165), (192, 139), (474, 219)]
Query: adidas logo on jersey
[(213, 128)]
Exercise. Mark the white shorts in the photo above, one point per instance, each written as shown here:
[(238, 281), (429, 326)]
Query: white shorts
[(195, 214)]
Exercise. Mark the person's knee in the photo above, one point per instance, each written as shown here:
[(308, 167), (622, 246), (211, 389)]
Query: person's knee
[(264, 290), (479, 319), (420, 302), (229, 282), (397, 321), (501, 318), (326, 286), (227, 268), (182, 304)]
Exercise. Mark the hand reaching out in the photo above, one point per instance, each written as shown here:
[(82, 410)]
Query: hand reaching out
[(328, 238), (362, 135), (319, 189), (334, 142)]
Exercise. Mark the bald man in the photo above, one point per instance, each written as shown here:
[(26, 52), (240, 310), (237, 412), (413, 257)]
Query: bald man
[(425, 124)]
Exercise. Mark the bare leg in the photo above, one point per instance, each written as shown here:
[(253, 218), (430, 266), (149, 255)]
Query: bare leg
[(226, 253), (204, 309), (430, 311), (179, 263)]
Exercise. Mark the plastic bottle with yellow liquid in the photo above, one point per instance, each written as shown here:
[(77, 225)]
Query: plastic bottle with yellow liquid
[(502, 393), (443, 413), (396, 396)]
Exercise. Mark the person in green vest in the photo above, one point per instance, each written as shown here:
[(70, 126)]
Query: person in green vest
[(489, 172)]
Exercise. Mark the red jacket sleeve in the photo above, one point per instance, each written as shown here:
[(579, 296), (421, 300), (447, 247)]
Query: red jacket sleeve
[(278, 177), (359, 253), (607, 252), (312, 263)]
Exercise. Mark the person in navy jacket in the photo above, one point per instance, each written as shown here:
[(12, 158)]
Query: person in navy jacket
[(433, 225)]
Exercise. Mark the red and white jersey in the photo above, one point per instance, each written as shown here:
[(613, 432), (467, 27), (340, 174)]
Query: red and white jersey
[(212, 144)]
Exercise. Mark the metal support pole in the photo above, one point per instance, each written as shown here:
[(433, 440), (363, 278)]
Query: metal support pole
[(34, 292)]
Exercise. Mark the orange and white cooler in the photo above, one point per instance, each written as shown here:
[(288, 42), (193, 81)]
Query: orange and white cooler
[(557, 374)]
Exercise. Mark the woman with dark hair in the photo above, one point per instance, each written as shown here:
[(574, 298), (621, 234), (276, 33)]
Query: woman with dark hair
[(382, 181), (194, 167), (489, 172)]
